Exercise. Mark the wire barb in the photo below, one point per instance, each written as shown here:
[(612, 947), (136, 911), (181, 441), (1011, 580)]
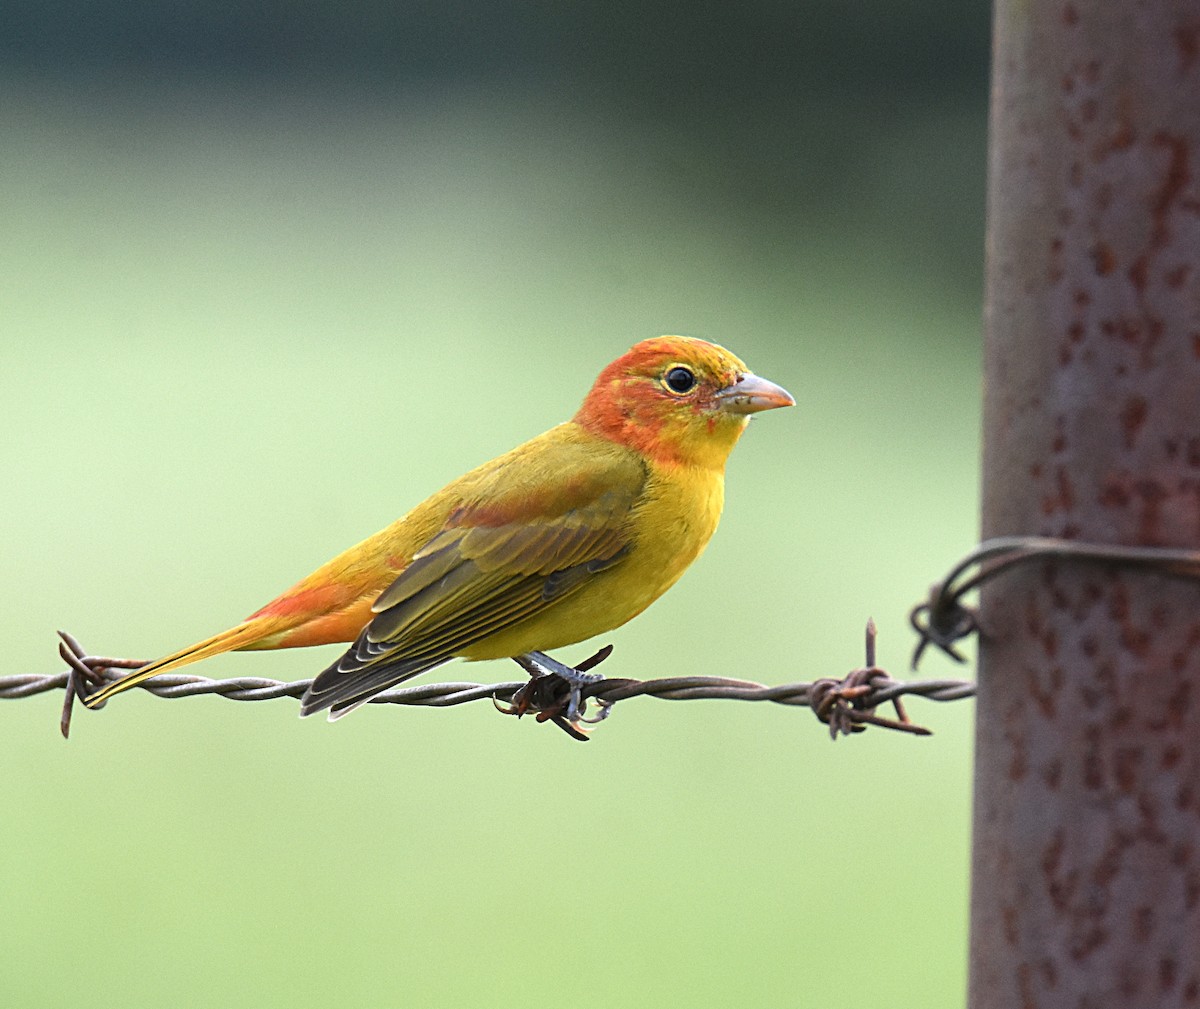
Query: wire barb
[(846, 706)]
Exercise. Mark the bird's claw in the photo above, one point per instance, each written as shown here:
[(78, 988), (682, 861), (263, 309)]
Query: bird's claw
[(604, 710), (544, 694)]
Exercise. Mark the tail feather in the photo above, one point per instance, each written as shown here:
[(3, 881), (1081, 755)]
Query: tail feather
[(241, 636), (344, 693)]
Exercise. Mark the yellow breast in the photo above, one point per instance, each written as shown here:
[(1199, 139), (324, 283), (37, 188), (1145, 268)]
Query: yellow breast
[(673, 522)]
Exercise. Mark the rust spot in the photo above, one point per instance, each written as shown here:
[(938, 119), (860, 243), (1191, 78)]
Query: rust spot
[(1063, 498), (1176, 277), (1193, 452), (1177, 177), (1104, 258), (1049, 973), (1109, 865), (1150, 830), (1025, 986), (1058, 889), (1054, 272), (1093, 766), (1114, 494), (1177, 708), (1075, 332), (1196, 344), (1192, 990), (1187, 41), (1050, 646), (1047, 699), (1152, 495), (1133, 417), (1171, 756), (1070, 15), (1060, 437), (1168, 973), (1094, 692), (1008, 918), (1135, 641), (1126, 765), (1122, 138), (1088, 943), (1017, 767), (1183, 797), (1138, 273)]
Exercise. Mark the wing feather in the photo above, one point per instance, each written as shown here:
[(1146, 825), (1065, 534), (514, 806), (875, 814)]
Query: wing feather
[(503, 556)]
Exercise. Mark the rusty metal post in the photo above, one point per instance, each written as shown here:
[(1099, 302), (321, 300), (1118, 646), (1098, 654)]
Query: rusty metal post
[(1086, 865)]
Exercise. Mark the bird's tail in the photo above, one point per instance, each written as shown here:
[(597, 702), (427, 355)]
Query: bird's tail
[(244, 635)]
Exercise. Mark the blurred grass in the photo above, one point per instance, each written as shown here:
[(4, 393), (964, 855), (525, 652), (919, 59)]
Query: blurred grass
[(241, 335)]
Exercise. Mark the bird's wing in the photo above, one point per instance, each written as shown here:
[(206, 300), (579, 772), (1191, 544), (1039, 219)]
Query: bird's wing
[(523, 538)]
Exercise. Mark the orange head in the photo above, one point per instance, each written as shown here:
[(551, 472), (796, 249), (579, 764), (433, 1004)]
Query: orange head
[(678, 400)]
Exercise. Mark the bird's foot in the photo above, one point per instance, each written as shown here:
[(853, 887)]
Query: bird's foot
[(538, 664), (543, 693)]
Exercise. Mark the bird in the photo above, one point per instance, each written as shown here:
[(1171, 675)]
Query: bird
[(567, 536)]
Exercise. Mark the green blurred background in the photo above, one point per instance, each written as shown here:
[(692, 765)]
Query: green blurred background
[(272, 275)]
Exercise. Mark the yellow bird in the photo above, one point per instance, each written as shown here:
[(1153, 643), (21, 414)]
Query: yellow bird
[(567, 536)]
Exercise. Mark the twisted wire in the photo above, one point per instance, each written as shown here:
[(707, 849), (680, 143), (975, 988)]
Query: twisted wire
[(846, 706), (443, 695)]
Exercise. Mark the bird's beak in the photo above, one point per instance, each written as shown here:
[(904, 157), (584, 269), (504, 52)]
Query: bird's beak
[(751, 394)]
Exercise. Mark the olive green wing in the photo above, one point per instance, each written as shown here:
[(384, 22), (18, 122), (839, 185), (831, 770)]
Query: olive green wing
[(509, 552)]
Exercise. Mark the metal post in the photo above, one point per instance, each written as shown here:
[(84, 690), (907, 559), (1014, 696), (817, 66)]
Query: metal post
[(1086, 874)]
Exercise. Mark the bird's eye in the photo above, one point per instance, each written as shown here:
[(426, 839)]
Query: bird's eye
[(680, 380)]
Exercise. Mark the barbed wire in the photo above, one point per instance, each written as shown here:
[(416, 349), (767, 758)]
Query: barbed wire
[(846, 705)]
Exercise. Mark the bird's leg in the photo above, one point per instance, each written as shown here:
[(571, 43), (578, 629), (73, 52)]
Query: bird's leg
[(540, 664)]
